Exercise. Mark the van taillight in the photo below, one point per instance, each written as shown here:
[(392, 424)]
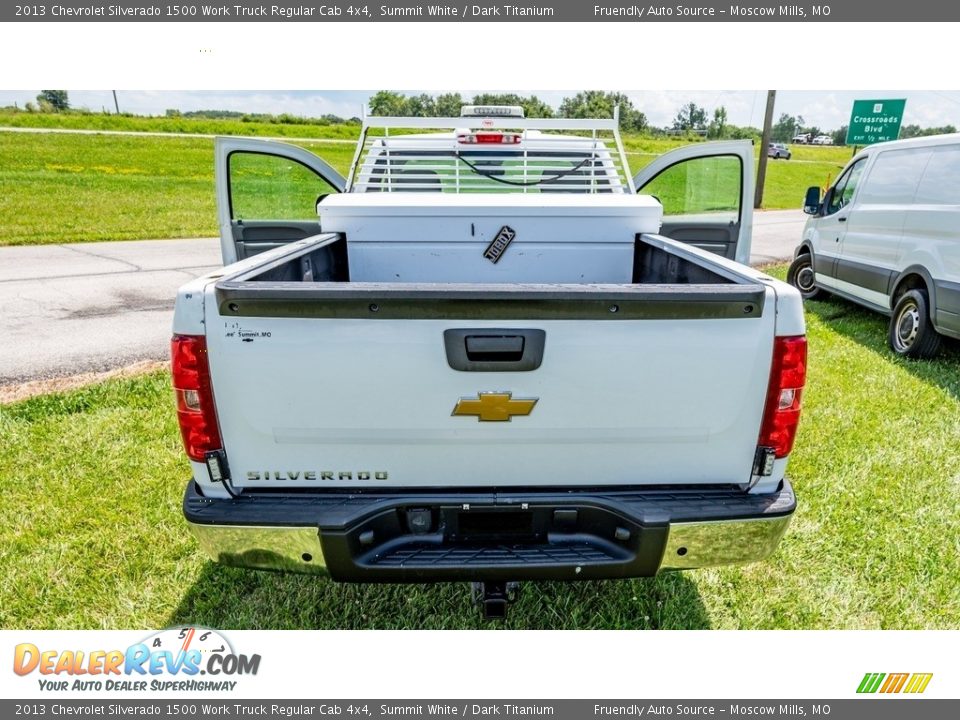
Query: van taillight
[(788, 374), (195, 409)]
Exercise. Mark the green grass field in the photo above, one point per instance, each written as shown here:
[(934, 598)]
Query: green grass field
[(91, 533), (198, 126), (75, 188)]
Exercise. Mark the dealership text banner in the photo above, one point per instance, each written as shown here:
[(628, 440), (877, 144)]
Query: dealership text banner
[(551, 10)]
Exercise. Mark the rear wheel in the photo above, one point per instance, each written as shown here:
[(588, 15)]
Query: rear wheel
[(800, 275), (911, 333)]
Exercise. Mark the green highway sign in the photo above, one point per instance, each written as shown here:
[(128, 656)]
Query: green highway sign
[(874, 121)]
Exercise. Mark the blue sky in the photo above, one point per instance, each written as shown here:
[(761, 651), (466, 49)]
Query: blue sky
[(826, 109)]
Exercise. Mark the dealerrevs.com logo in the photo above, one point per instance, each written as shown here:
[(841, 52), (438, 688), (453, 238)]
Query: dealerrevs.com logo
[(179, 659)]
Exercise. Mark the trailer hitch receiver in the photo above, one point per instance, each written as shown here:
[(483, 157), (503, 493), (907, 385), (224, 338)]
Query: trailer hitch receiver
[(494, 597)]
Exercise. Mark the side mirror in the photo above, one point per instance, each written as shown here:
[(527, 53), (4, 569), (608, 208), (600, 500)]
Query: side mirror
[(811, 204)]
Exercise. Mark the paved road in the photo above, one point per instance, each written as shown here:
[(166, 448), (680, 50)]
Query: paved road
[(776, 234), (87, 307), (84, 307)]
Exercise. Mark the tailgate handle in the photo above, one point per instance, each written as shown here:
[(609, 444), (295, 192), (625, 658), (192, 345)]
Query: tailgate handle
[(494, 350)]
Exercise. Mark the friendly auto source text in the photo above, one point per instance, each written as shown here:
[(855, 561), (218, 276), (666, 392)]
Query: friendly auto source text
[(739, 11)]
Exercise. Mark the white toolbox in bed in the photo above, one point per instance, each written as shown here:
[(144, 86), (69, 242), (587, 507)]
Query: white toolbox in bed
[(458, 238)]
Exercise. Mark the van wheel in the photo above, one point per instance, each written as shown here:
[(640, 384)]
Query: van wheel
[(911, 332), (800, 275)]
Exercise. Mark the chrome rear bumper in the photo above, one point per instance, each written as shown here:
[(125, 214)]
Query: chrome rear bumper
[(298, 549), (293, 549), (567, 537)]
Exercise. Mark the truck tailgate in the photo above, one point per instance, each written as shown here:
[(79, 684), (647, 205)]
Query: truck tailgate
[(353, 386)]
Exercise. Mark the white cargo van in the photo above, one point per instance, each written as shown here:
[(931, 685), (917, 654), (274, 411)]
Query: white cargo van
[(887, 236)]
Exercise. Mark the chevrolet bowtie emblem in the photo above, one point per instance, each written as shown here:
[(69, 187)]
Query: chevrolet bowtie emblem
[(494, 406)]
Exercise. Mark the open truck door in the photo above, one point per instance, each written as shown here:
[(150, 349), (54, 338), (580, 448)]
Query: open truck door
[(267, 194), (707, 195)]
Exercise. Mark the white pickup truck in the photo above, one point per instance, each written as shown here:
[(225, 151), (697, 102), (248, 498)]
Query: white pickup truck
[(485, 356)]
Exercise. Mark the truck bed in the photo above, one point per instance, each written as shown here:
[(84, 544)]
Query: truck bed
[(313, 279)]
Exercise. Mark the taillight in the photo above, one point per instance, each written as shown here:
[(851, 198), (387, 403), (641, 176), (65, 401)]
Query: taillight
[(788, 374), (490, 138), (195, 409)]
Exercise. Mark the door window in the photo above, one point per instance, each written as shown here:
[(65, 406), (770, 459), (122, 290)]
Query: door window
[(270, 187), (941, 179), (846, 186), (894, 176), (708, 186)]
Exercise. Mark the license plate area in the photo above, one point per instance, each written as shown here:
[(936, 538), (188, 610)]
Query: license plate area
[(448, 541), (491, 525)]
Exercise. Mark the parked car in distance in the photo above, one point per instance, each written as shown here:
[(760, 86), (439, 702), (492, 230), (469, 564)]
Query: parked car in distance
[(887, 236), (822, 140), (778, 151), (801, 139)]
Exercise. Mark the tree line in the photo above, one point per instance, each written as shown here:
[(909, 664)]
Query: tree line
[(691, 119), (589, 104), (50, 101)]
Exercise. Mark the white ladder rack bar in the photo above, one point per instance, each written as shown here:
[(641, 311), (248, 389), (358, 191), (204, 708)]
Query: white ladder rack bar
[(590, 145)]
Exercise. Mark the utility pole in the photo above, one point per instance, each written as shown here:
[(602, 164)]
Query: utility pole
[(764, 144), (115, 103)]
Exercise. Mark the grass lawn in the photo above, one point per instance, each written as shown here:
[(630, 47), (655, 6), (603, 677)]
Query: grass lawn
[(91, 533), (197, 126), (76, 188)]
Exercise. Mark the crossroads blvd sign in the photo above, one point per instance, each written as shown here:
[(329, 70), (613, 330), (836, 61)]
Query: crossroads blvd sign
[(874, 121)]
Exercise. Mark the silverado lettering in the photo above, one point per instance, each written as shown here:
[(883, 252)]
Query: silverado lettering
[(310, 475)]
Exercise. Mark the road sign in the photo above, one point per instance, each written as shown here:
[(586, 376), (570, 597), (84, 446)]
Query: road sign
[(874, 121)]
